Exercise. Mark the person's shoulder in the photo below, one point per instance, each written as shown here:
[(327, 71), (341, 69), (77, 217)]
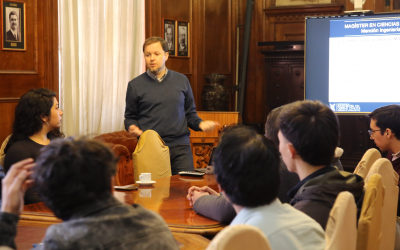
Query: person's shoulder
[(140, 79), (20, 145), (177, 75)]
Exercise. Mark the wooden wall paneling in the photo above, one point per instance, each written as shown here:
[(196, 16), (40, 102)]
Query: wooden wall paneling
[(21, 62), (7, 114), (202, 142), (198, 49), (255, 105), (217, 37), (50, 22), (36, 67)]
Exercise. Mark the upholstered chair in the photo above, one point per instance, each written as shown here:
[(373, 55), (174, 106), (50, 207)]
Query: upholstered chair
[(240, 237), (369, 225), (390, 179), (341, 229), (151, 156), (123, 144), (366, 162)]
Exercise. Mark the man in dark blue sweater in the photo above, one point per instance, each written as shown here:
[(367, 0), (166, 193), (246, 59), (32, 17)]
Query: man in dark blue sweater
[(162, 100)]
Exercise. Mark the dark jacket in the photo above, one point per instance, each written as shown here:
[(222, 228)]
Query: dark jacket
[(106, 224), (315, 196)]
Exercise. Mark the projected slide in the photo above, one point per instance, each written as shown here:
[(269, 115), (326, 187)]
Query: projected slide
[(364, 64)]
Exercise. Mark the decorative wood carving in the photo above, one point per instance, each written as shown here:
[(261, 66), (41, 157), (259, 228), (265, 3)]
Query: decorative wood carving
[(202, 142), (203, 153)]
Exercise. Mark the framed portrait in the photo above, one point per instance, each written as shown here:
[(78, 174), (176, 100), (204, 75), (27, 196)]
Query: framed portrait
[(183, 39), (169, 31), (13, 28)]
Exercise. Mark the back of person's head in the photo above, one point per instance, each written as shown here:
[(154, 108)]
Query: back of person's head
[(156, 39), (272, 125), (313, 129), (246, 165), (73, 172), (29, 113), (387, 117)]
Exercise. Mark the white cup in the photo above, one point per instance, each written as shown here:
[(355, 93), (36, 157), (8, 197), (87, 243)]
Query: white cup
[(145, 193), (145, 177)]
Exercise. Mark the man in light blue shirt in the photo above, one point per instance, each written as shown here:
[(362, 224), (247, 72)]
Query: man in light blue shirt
[(246, 165)]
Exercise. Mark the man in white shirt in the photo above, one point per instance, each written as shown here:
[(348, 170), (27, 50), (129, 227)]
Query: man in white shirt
[(246, 164), (12, 34)]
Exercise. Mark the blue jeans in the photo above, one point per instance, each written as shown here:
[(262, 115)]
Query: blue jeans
[(181, 158)]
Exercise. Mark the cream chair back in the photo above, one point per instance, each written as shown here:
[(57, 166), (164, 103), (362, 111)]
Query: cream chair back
[(151, 156), (3, 146), (240, 237), (367, 161), (341, 229), (369, 225), (390, 180)]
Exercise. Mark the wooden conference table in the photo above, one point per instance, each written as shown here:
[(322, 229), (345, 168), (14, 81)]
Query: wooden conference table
[(167, 197)]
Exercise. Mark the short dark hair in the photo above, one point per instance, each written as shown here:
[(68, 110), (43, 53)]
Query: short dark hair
[(12, 13), (156, 39), (246, 165), (272, 125), (73, 172), (313, 129), (387, 117)]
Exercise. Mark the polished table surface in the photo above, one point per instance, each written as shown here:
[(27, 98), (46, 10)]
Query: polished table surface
[(167, 197)]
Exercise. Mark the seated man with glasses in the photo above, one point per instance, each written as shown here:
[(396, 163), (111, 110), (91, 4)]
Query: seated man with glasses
[(385, 131), (308, 136)]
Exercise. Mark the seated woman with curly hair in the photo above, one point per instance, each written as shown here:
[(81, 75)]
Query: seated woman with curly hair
[(37, 121)]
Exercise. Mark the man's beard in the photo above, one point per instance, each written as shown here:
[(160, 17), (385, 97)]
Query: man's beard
[(154, 71)]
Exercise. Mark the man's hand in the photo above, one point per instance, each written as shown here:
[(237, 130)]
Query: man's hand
[(195, 192), (208, 126), (14, 186), (195, 196), (135, 131)]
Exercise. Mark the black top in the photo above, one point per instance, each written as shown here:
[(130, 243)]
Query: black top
[(19, 151)]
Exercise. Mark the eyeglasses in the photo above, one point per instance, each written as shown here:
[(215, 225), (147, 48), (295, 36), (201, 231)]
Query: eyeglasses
[(372, 132)]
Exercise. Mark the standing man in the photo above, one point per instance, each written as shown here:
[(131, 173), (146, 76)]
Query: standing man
[(385, 131), (12, 34), (162, 100)]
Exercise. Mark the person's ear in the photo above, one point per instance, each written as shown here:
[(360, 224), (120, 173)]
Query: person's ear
[(389, 133), (166, 55), (292, 150), (45, 119)]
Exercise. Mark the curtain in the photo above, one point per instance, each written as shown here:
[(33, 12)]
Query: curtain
[(100, 52)]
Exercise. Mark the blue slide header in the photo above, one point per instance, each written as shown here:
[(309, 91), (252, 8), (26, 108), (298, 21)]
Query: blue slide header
[(364, 27)]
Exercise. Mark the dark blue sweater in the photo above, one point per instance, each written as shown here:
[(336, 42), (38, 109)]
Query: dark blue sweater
[(166, 107)]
